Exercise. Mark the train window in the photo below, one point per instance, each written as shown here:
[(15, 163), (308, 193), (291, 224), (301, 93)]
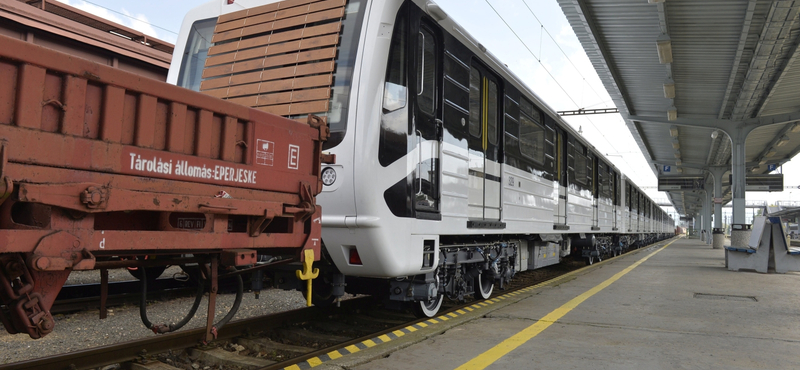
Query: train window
[(581, 163), (343, 74), (394, 121), (609, 186), (394, 92), (602, 181), (590, 171), (511, 117), (512, 128), (426, 71), (531, 132), (475, 102), (628, 195), (195, 53), (491, 113)]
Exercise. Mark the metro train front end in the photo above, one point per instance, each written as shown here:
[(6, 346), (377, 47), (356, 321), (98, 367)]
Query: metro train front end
[(361, 231)]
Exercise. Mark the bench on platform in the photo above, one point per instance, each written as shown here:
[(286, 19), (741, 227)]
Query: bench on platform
[(787, 258), (756, 255)]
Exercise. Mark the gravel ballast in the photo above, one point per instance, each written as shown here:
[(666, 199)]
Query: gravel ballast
[(84, 330)]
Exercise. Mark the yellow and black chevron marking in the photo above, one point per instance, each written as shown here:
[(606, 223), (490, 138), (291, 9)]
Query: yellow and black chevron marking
[(369, 343), (316, 361)]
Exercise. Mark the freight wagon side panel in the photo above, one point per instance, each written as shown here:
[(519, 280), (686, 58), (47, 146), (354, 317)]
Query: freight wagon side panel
[(98, 163)]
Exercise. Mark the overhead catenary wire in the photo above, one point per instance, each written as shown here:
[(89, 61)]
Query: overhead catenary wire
[(530, 51), (124, 15), (559, 48), (525, 45)]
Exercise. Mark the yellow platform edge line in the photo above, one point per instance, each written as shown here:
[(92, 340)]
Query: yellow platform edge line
[(495, 353)]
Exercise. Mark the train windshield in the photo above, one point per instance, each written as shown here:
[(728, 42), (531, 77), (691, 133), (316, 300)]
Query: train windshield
[(343, 76), (195, 53), (195, 58)]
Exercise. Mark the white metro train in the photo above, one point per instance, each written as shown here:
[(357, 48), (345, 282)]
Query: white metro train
[(451, 175)]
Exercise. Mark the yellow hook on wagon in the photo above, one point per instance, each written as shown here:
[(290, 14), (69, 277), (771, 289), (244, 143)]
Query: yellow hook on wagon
[(307, 274)]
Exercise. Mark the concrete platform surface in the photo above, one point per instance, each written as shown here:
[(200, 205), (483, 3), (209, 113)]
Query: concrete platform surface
[(675, 307)]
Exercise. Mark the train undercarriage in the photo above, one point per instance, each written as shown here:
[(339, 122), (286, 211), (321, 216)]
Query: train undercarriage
[(473, 270)]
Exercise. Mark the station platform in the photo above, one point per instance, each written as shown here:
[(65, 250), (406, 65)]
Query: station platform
[(672, 305)]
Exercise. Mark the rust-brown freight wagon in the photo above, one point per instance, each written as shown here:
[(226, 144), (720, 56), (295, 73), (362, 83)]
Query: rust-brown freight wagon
[(100, 167)]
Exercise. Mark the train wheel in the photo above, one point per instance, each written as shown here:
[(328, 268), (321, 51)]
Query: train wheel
[(423, 309), (484, 285), (590, 260)]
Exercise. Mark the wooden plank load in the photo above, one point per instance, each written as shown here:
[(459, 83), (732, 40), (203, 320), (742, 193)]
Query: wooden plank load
[(278, 58)]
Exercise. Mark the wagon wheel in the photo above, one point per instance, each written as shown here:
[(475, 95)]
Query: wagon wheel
[(423, 309), (484, 285)]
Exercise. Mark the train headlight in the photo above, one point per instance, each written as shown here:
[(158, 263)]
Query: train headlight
[(328, 176)]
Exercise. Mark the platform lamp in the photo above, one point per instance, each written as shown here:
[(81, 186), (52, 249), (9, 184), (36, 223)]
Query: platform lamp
[(672, 114), (664, 45), (669, 88)]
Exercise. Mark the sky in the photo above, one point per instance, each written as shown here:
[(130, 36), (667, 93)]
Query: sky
[(532, 37)]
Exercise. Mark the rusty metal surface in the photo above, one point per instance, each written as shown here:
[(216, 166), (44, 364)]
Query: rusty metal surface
[(106, 164), (223, 143), (65, 29), (277, 57), (129, 35)]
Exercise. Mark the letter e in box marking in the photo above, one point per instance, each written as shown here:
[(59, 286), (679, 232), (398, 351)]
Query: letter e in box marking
[(294, 157)]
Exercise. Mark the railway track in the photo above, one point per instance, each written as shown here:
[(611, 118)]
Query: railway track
[(79, 297), (280, 340)]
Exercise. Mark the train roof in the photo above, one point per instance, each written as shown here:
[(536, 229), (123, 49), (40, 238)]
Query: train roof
[(457, 31), (67, 21), (452, 27)]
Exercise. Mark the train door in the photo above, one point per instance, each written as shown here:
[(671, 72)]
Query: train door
[(427, 124), (561, 178), (615, 201), (628, 206), (484, 133), (597, 181)]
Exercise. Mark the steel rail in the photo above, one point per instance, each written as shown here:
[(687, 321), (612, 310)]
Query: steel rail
[(143, 348), (129, 351), (521, 284)]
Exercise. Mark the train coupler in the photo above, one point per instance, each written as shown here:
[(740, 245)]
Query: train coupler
[(308, 274), (25, 309)]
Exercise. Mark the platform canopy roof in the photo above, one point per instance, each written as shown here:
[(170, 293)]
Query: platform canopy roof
[(680, 69)]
